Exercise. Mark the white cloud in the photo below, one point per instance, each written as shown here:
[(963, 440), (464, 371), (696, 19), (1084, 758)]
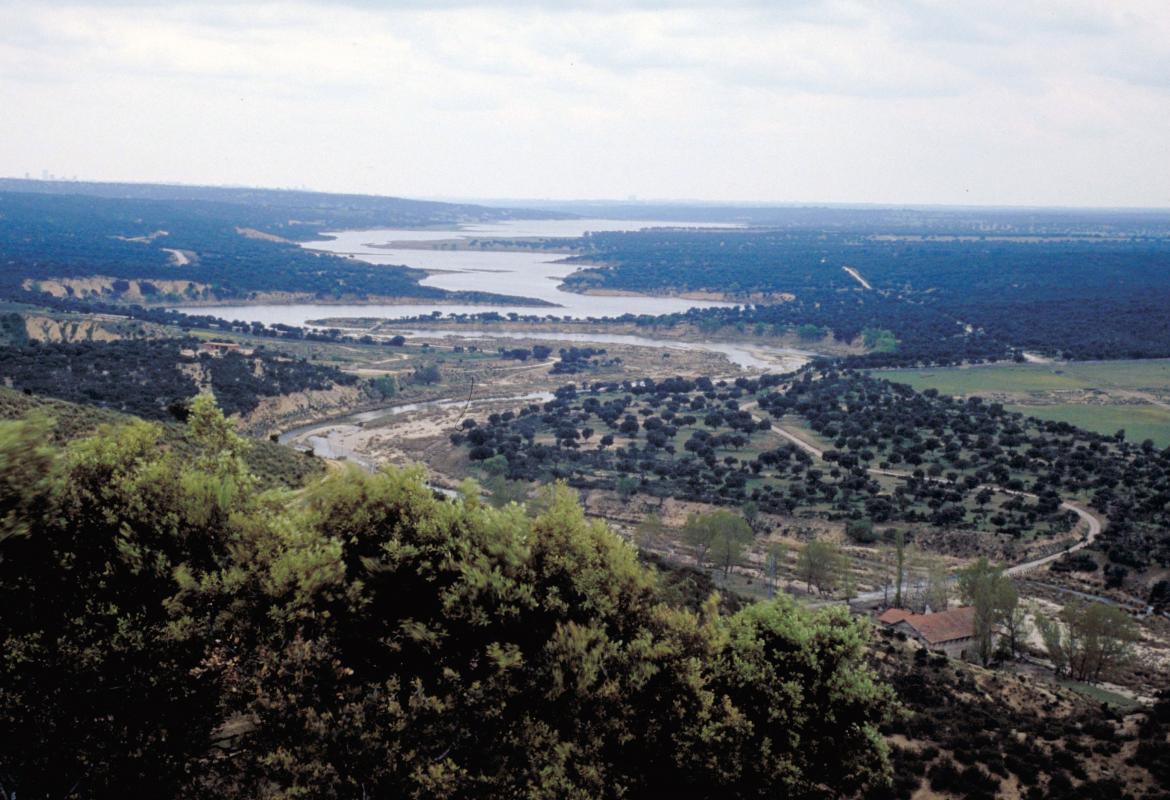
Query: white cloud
[(842, 100)]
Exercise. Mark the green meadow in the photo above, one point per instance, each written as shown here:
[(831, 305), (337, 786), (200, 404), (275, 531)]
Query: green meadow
[(1035, 382), (1138, 422), (1139, 375)]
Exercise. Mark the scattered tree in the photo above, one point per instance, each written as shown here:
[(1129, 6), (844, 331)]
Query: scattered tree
[(650, 531), (1089, 640), (818, 564), (860, 531), (773, 562), (995, 600), (426, 374)]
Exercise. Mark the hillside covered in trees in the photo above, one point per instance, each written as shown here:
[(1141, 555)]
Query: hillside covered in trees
[(148, 377), (271, 464), (363, 637)]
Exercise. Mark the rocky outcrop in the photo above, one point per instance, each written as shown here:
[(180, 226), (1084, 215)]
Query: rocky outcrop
[(47, 329), (106, 288)]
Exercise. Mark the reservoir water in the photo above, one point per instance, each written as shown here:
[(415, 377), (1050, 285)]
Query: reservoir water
[(525, 274)]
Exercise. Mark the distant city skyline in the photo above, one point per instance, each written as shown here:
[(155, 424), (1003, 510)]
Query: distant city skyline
[(1029, 103)]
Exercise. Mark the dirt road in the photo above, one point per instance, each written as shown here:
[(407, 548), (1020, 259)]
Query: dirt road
[(1090, 520)]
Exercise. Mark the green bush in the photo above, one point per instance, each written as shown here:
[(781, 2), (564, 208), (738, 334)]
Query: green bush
[(861, 531), (364, 637)]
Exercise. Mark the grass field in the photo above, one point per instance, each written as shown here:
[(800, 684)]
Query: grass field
[(1101, 695), (1139, 375), (1045, 388), (1138, 422)]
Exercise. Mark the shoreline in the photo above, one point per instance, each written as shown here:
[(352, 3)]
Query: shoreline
[(482, 246), (392, 300), (701, 295), (682, 333)]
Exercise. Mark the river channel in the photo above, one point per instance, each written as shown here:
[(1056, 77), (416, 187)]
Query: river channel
[(744, 354), (330, 438)]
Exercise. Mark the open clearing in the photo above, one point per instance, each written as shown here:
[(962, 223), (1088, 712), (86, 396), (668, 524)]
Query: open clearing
[(1101, 396), (1140, 422), (1141, 375)]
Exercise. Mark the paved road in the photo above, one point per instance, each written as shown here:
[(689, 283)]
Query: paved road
[(1129, 603)]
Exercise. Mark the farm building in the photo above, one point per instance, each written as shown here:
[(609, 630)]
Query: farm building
[(952, 632)]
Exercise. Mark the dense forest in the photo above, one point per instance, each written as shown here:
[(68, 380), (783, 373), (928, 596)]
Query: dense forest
[(12, 330), (956, 461), (944, 300), (150, 377)]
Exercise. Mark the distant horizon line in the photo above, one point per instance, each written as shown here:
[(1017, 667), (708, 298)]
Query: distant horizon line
[(758, 204), (632, 202)]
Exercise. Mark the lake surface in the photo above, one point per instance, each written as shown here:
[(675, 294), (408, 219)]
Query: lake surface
[(524, 274)]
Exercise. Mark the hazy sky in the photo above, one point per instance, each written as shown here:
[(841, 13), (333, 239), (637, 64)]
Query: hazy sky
[(903, 101)]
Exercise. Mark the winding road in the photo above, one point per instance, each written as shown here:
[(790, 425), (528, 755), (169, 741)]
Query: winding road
[(1090, 520)]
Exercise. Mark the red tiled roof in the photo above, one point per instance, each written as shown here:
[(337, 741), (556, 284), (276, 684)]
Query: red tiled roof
[(892, 615), (945, 626)]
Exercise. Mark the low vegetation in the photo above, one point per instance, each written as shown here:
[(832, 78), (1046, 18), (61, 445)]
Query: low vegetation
[(975, 734), (272, 465)]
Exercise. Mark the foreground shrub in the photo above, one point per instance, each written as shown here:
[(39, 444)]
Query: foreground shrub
[(363, 638)]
